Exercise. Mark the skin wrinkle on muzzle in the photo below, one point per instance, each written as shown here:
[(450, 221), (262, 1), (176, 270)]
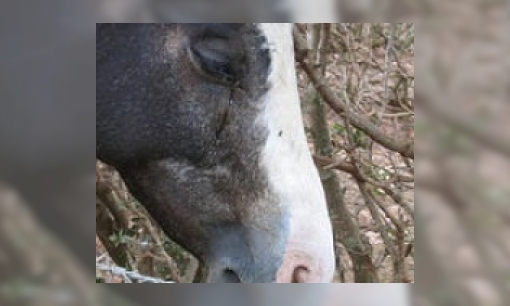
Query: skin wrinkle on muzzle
[(246, 200)]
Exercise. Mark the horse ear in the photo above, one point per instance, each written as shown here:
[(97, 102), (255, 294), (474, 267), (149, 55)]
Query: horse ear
[(217, 59)]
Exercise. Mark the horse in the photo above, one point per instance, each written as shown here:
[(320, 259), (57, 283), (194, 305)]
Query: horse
[(203, 123)]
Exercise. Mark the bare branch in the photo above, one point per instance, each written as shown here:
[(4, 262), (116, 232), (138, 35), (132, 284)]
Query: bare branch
[(403, 146), (130, 275)]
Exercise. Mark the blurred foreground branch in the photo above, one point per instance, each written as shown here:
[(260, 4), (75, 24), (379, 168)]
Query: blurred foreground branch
[(439, 108), (36, 269)]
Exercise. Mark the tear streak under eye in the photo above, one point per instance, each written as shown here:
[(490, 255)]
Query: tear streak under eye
[(224, 113)]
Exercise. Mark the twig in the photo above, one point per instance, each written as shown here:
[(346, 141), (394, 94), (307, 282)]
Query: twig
[(387, 59), (130, 275)]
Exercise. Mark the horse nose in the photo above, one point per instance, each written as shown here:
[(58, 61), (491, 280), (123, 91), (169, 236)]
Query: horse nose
[(296, 267), (243, 263), (241, 270), (244, 254), (297, 274)]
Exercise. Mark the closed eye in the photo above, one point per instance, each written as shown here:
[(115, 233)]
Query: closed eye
[(214, 59)]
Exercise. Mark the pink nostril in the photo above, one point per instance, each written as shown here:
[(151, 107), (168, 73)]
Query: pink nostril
[(300, 274), (301, 267), (297, 270), (305, 263)]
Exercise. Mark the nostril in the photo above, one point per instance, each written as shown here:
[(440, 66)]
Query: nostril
[(304, 267), (230, 276), (300, 274)]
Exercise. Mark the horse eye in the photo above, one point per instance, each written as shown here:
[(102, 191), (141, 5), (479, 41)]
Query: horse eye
[(213, 58)]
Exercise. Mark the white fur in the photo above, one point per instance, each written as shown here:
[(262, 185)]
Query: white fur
[(286, 158)]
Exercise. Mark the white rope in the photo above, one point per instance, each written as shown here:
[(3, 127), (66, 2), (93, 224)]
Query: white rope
[(130, 275)]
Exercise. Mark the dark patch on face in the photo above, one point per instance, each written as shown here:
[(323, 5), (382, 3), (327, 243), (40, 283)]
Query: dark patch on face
[(184, 137)]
